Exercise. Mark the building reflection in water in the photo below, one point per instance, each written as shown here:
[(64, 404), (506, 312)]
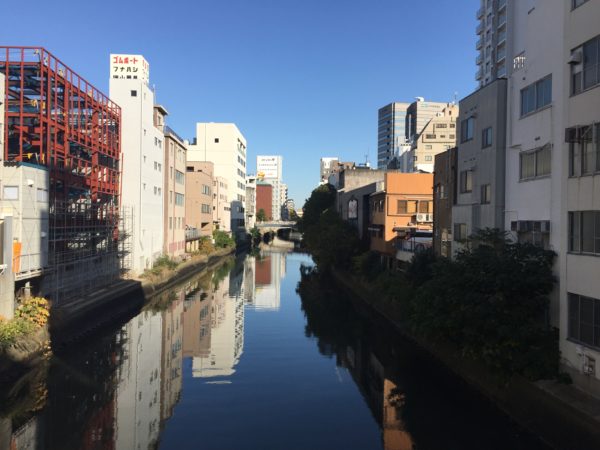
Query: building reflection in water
[(269, 270), (214, 325)]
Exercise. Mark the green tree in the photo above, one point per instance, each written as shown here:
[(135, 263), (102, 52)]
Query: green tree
[(222, 239), (492, 302), (261, 216)]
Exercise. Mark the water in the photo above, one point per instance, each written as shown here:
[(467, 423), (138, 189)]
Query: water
[(237, 360)]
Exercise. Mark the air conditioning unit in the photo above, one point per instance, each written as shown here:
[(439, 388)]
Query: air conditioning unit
[(546, 226), (575, 58), (429, 218), (422, 217), (589, 366)]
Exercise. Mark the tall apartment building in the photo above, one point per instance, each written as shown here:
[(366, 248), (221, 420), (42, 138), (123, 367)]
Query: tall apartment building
[(269, 169), (480, 163), (580, 215), (437, 135), (199, 201), (174, 187), (444, 198), (225, 146), (494, 39), (143, 157), (391, 132)]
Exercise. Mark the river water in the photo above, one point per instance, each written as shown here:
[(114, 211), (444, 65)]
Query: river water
[(247, 358)]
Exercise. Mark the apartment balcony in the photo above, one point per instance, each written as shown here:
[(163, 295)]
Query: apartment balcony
[(480, 12), (502, 21), (479, 44), (479, 59), (501, 5), (501, 37), (479, 74), (501, 54), (479, 28)]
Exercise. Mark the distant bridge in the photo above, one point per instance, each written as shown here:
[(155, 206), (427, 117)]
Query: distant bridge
[(274, 226)]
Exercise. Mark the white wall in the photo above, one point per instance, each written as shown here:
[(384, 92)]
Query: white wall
[(224, 145), (537, 31), (142, 177)]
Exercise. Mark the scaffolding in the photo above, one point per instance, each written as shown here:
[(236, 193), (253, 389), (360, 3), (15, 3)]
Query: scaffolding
[(55, 118)]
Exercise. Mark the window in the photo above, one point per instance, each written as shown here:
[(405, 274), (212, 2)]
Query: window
[(466, 181), (430, 136), (585, 74), (134, 93), (486, 138), (401, 208), (460, 231), (428, 158), (577, 3), (584, 320), (179, 199), (428, 147), (486, 193), (536, 96), (424, 207), (205, 209), (466, 129), (536, 163), (216, 140), (179, 177), (42, 195), (170, 223), (584, 150), (10, 193), (584, 232)]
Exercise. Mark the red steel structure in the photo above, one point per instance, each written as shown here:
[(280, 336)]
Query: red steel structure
[(56, 119)]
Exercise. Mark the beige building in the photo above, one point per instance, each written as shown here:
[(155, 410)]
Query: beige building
[(174, 187), (199, 197), (580, 218), (437, 136), (221, 205)]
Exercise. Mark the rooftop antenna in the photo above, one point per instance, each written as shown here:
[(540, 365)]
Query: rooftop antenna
[(455, 97)]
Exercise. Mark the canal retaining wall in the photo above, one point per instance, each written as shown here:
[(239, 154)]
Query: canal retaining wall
[(564, 417)]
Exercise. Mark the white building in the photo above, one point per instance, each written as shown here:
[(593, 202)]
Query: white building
[(270, 170), (250, 201), (580, 216), (534, 160), (224, 145), (327, 165), (143, 157)]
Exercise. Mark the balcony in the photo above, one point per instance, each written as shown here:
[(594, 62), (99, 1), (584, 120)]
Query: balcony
[(479, 28), (501, 5), (479, 59), (481, 12), (501, 54), (479, 74), (501, 37), (479, 44)]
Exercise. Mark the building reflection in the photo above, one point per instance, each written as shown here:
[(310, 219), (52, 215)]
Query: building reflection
[(269, 270), (371, 364), (214, 325)]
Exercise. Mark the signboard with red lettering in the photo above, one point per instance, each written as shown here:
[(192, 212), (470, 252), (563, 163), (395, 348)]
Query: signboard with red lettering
[(130, 67)]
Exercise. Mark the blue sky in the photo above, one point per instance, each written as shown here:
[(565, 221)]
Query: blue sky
[(302, 79)]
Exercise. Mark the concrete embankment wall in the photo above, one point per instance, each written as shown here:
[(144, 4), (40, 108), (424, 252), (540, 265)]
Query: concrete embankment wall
[(562, 416)]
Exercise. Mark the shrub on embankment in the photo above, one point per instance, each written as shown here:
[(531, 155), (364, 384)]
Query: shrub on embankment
[(491, 302), (31, 315)]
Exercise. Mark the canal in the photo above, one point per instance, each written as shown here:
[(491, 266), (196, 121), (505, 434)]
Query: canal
[(253, 355)]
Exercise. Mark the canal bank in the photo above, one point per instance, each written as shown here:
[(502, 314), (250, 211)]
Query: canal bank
[(562, 416), (75, 319)]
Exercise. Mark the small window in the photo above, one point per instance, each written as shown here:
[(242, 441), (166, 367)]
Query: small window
[(486, 138), (466, 129), (134, 93), (216, 140), (428, 158), (460, 231), (466, 181), (42, 195), (10, 193), (486, 194)]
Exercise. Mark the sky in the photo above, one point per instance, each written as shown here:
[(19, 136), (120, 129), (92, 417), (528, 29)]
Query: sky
[(302, 79)]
